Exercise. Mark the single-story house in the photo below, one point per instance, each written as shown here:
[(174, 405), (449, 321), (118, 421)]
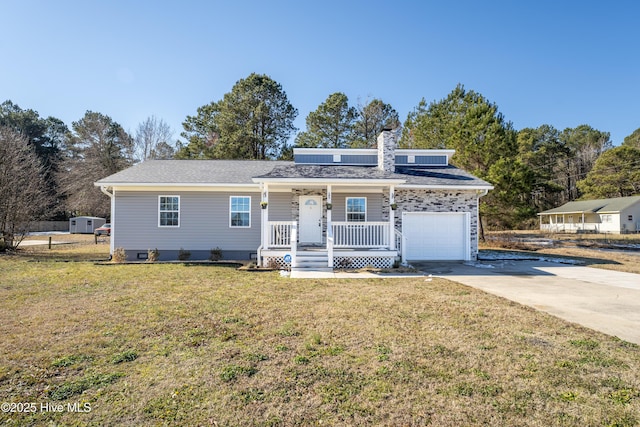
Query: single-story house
[(85, 224), (617, 215), (327, 208)]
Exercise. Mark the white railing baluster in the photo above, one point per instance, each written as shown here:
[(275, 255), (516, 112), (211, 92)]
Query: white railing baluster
[(361, 234), (279, 234)]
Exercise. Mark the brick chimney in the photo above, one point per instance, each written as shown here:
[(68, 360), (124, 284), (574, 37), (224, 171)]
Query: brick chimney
[(387, 150)]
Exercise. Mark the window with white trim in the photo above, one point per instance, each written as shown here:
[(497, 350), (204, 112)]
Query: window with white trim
[(168, 211), (356, 209), (240, 211), (607, 218)]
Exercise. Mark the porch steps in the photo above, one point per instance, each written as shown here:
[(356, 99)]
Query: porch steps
[(312, 260)]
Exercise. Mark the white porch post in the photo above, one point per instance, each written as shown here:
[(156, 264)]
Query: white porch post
[(265, 216), (329, 229), (392, 219), (329, 197), (294, 244), (112, 243)]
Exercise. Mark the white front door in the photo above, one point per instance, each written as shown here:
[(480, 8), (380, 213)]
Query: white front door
[(310, 228)]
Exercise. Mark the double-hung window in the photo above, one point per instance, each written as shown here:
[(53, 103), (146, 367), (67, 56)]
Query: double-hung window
[(169, 211), (356, 209), (240, 211)]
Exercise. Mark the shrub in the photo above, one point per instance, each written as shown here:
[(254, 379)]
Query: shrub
[(119, 255), (272, 264), (153, 255), (183, 254), (216, 254)]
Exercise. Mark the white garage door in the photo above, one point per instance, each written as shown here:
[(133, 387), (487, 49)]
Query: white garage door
[(436, 235)]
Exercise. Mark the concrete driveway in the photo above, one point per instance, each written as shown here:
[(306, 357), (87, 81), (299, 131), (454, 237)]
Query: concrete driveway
[(607, 301)]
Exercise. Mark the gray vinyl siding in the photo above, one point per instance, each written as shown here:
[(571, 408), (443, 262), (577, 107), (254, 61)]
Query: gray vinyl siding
[(358, 159), (204, 222), (280, 207), (322, 159), (345, 159), (423, 160), (374, 206)]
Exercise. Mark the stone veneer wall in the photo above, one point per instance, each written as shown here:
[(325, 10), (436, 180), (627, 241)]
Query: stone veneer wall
[(438, 201), (295, 206)]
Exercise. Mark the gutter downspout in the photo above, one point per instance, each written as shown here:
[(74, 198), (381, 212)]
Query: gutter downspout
[(113, 214)]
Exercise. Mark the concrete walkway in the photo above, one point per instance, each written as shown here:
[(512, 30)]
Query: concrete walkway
[(604, 300), (42, 242), (347, 275)]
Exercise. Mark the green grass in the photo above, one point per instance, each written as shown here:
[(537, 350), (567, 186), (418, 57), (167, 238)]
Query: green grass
[(204, 345)]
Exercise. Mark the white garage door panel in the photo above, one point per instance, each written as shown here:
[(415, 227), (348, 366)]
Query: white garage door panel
[(436, 236)]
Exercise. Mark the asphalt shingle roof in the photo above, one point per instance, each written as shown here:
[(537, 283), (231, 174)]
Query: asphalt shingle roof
[(192, 172), (243, 172), (438, 175), (443, 175), (616, 204)]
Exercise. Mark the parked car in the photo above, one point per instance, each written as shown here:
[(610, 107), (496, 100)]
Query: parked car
[(105, 229)]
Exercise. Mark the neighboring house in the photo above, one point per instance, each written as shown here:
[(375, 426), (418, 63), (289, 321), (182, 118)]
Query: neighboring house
[(617, 215), (327, 208)]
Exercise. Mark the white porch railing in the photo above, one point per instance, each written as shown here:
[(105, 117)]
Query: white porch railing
[(279, 234), (570, 227), (401, 245), (397, 235), (343, 234), (361, 234)]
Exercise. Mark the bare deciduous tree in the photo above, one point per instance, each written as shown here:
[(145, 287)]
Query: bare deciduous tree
[(23, 191), (153, 140)]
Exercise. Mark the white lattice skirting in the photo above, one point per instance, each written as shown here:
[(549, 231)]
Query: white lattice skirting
[(354, 262), (339, 262), (276, 263)]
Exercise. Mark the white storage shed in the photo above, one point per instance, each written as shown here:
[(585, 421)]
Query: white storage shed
[(85, 224)]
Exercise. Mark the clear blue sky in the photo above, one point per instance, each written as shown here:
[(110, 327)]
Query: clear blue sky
[(562, 63)]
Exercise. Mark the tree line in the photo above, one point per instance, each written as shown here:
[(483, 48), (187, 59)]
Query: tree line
[(47, 169)]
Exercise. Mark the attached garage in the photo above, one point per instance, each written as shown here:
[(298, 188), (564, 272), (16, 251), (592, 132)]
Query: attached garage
[(436, 235)]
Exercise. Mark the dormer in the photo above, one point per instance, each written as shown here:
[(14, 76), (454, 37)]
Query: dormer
[(386, 157), (424, 158)]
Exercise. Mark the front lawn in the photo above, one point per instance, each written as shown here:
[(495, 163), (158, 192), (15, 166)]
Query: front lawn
[(203, 345)]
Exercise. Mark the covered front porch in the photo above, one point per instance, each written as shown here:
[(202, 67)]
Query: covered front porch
[(347, 245), (571, 222), (330, 226)]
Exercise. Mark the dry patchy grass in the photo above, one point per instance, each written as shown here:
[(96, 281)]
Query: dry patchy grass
[(203, 345)]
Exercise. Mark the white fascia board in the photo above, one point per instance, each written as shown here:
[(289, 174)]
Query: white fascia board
[(425, 152), (335, 181), (567, 212), (445, 187), (182, 187), (331, 151)]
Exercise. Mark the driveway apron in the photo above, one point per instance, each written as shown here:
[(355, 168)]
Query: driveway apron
[(604, 300)]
